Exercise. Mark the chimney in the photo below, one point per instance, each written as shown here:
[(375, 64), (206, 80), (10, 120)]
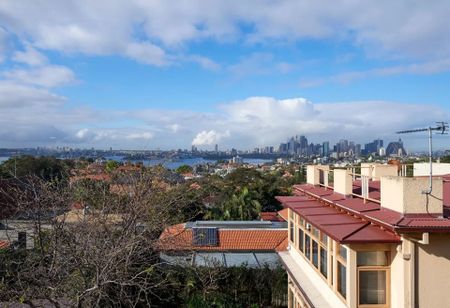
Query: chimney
[(405, 195), (380, 170), (312, 175), (342, 182)]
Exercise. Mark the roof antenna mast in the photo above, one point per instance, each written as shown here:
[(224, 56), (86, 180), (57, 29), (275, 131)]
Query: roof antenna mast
[(441, 128)]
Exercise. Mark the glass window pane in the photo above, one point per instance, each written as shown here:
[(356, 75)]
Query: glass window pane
[(341, 279), (324, 238), (291, 231), (315, 232), (376, 258), (331, 269), (372, 287), (315, 254), (300, 240), (343, 252), (323, 262), (307, 247)]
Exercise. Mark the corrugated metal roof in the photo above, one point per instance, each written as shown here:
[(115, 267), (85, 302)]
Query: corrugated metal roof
[(337, 218), (374, 213), (358, 205)]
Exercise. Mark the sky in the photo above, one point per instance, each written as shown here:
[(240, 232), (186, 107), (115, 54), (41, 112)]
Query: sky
[(146, 74)]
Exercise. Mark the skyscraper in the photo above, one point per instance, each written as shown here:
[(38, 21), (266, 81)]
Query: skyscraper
[(325, 148)]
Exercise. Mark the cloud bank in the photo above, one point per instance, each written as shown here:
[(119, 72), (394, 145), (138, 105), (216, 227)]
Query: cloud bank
[(31, 116)]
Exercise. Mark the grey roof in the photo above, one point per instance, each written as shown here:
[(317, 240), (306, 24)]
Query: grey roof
[(237, 224), (227, 259)]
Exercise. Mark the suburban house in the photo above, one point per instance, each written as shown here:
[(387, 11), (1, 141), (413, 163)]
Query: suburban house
[(372, 239), (224, 243)]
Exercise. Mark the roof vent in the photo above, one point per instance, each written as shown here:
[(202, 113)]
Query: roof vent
[(205, 237)]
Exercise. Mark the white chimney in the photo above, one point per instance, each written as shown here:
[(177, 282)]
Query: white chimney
[(343, 182), (405, 195)]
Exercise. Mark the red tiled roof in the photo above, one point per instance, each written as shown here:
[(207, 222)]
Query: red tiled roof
[(270, 216), (283, 214), (180, 238), (4, 244), (95, 177)]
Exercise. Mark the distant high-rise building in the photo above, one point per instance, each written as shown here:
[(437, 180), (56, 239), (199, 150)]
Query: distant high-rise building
[(358, 149), (325, 148), (216, 148), (373, 147)]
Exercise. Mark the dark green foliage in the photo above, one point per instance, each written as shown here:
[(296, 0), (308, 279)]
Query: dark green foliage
[(445, 159), (183, 169), (235, 287), (47, 168), (244, 193), (111, 165)]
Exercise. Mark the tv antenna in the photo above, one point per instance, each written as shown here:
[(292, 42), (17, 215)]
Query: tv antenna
[(440, 128)]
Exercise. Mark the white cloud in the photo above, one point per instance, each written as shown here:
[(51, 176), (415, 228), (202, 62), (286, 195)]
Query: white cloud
[(3, 44), (147, 53), (16, 97), (259, 64), (174, 128), (47, 76), (108, 27), (82, 133), (30, 56), (141, 136), (424, 68), (205, 62), (209, 137), (31, 116)]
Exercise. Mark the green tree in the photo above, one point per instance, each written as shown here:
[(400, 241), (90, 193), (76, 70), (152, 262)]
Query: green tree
[(46, 168), (183, 169), (111, 165)]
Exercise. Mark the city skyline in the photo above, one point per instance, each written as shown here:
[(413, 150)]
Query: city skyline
[(147, 75)]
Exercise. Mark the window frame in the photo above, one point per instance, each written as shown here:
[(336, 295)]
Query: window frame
[(374, 268)]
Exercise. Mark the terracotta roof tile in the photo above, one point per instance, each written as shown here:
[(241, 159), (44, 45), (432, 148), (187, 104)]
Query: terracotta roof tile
[(4, 244), (270, 216), (179, 238)]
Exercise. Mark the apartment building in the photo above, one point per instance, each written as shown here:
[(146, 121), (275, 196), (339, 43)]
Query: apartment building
[(372, 239)]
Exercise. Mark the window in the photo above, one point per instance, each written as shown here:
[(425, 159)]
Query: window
[(315, 232), (372, 287), (372, 258), (343, 252), (373, 272), (315, 254), (301, 221), (324, 238), (323, 262), (291, 231), (341, 279), (300, 240), (307, 246)]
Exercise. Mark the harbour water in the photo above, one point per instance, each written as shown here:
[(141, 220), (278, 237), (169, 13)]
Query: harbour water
[(174, 163)]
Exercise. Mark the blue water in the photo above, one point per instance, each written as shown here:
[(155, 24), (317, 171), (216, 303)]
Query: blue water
[(173, 164), (2, 159)]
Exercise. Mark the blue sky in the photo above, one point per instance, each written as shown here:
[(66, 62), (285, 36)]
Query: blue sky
[(169, 74)]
